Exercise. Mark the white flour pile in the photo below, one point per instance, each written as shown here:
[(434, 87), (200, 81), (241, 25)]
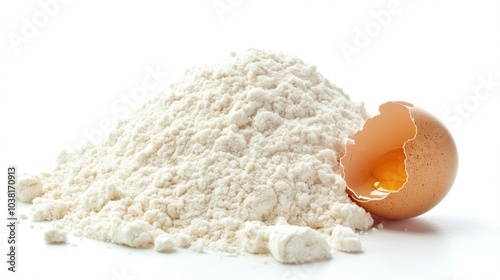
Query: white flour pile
[(238, 156)]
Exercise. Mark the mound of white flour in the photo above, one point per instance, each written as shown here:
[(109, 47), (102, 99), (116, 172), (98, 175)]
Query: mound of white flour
[(238, 156)]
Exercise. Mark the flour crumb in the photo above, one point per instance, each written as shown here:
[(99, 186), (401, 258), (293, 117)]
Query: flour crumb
[(55, 236), (254, 237), (164, 243), (29, 187), (345, 239), (295, 244), (183, 240), (218, 162), (133, 234)]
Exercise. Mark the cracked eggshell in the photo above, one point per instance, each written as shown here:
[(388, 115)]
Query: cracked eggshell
[(431, 161)]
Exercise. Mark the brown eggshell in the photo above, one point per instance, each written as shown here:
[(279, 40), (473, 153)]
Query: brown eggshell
[(431, 161)]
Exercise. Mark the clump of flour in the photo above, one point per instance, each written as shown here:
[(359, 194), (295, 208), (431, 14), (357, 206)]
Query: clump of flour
[(55, 236), (237, 156)]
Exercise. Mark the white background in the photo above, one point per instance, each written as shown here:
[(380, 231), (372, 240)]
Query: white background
[(68, 75)]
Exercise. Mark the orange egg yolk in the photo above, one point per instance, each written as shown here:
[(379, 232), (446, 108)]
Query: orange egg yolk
[(388, 172)]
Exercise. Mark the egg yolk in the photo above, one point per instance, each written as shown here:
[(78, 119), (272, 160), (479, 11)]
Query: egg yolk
[(388, 172)]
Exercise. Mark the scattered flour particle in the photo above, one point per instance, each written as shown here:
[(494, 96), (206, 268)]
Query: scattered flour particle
[(55, 236), (345, 239), (133, 234), (295, 244), (29, 187), (254, 237), (164, 243), (183, 240)]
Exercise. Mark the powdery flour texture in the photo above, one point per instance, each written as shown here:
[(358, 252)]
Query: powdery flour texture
[(238, 156)]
